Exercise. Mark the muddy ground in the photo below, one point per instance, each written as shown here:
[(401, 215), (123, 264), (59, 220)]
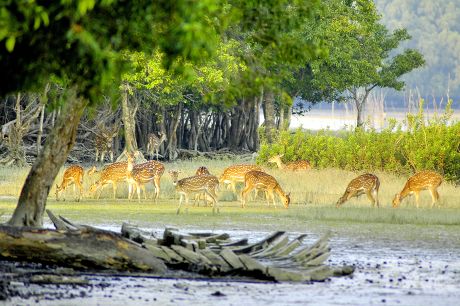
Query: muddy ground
[(391, 269)]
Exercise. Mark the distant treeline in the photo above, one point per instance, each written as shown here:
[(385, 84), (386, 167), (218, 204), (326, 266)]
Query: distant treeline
[(435, 30)]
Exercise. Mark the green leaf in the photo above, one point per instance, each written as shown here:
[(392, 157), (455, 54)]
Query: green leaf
[(10, 42)]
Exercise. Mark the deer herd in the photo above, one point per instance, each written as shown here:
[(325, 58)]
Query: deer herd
[(204, 185)]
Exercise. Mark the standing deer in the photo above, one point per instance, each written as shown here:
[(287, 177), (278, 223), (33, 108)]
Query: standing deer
[(104, 142), (193, 184), (422, 180), (154, 143), (111, 174), (367, 183), (72, 175), (144, 173), (236, 173), (294, 166), (261, 180), (201, 171)]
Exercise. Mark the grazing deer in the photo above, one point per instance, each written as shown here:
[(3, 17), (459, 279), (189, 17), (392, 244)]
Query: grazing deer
[(72, 175), (144, 173), (154, 143), (422, 180), (366, 183), (236, 173), (111, 174), (199, 183), (293, 166), (261, 180), (104, 142)]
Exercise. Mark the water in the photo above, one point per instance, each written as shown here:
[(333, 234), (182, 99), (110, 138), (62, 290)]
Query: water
[(390, 270)]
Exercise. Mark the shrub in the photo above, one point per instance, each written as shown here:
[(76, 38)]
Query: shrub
[(400, 148)]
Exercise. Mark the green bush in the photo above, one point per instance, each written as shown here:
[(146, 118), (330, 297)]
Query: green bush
[(400, 148)]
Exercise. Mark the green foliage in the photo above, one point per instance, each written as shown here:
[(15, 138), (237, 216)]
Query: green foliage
[(414, 146)]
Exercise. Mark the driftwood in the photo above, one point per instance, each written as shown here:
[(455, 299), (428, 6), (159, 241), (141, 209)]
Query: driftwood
[(277, 257)]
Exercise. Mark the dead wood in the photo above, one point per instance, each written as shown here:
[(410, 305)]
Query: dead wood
[(276, 257)]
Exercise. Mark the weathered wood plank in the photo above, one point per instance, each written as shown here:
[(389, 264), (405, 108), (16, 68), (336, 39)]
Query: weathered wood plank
[(232, 259)]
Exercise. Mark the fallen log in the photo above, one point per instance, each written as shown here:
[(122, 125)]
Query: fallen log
[(83, 247)]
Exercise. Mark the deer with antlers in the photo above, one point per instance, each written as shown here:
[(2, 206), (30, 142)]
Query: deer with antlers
[(154, 142), (367, 183), (260, 180), (195, 184), (141, 174), (73, 175), (293, 166), (423, 180)]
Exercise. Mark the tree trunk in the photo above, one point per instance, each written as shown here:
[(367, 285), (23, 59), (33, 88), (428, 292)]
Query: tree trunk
[(269, 116), (359, 103), (171, 150), (32, 201), (287, 117), (129, 121)]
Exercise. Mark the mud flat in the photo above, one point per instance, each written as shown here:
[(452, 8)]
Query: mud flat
[(391, 269)]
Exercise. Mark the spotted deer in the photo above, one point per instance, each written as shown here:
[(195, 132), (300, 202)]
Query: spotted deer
[(111, 174), (293, 166), (260, 180), (367, 183), (236, 173), (202, 171), (104, 142), (73, 175), (154, 143), (142, 174), (198, 183), (423, 180)]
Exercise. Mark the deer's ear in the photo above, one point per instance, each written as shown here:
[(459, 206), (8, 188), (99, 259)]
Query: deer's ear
[(281, 155)]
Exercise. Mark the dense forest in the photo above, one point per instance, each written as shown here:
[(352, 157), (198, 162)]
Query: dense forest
[(435, 30)]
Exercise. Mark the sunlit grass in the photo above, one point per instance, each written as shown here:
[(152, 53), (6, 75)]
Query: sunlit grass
[(313, 196)]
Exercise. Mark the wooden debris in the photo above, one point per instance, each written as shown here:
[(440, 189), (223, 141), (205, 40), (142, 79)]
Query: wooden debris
[(276, 257), (58, 279)]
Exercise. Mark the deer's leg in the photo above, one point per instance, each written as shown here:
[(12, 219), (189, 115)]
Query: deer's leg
[(97, 154), (138, 190), (111, 156), (186, 203), (417, 196), (272, 197), (213, 197), (180, 203), (114, 186), (247, 188), (375, 194), (145, 193), (102, 156), (370, 197), (434, 196), (156, 181)]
